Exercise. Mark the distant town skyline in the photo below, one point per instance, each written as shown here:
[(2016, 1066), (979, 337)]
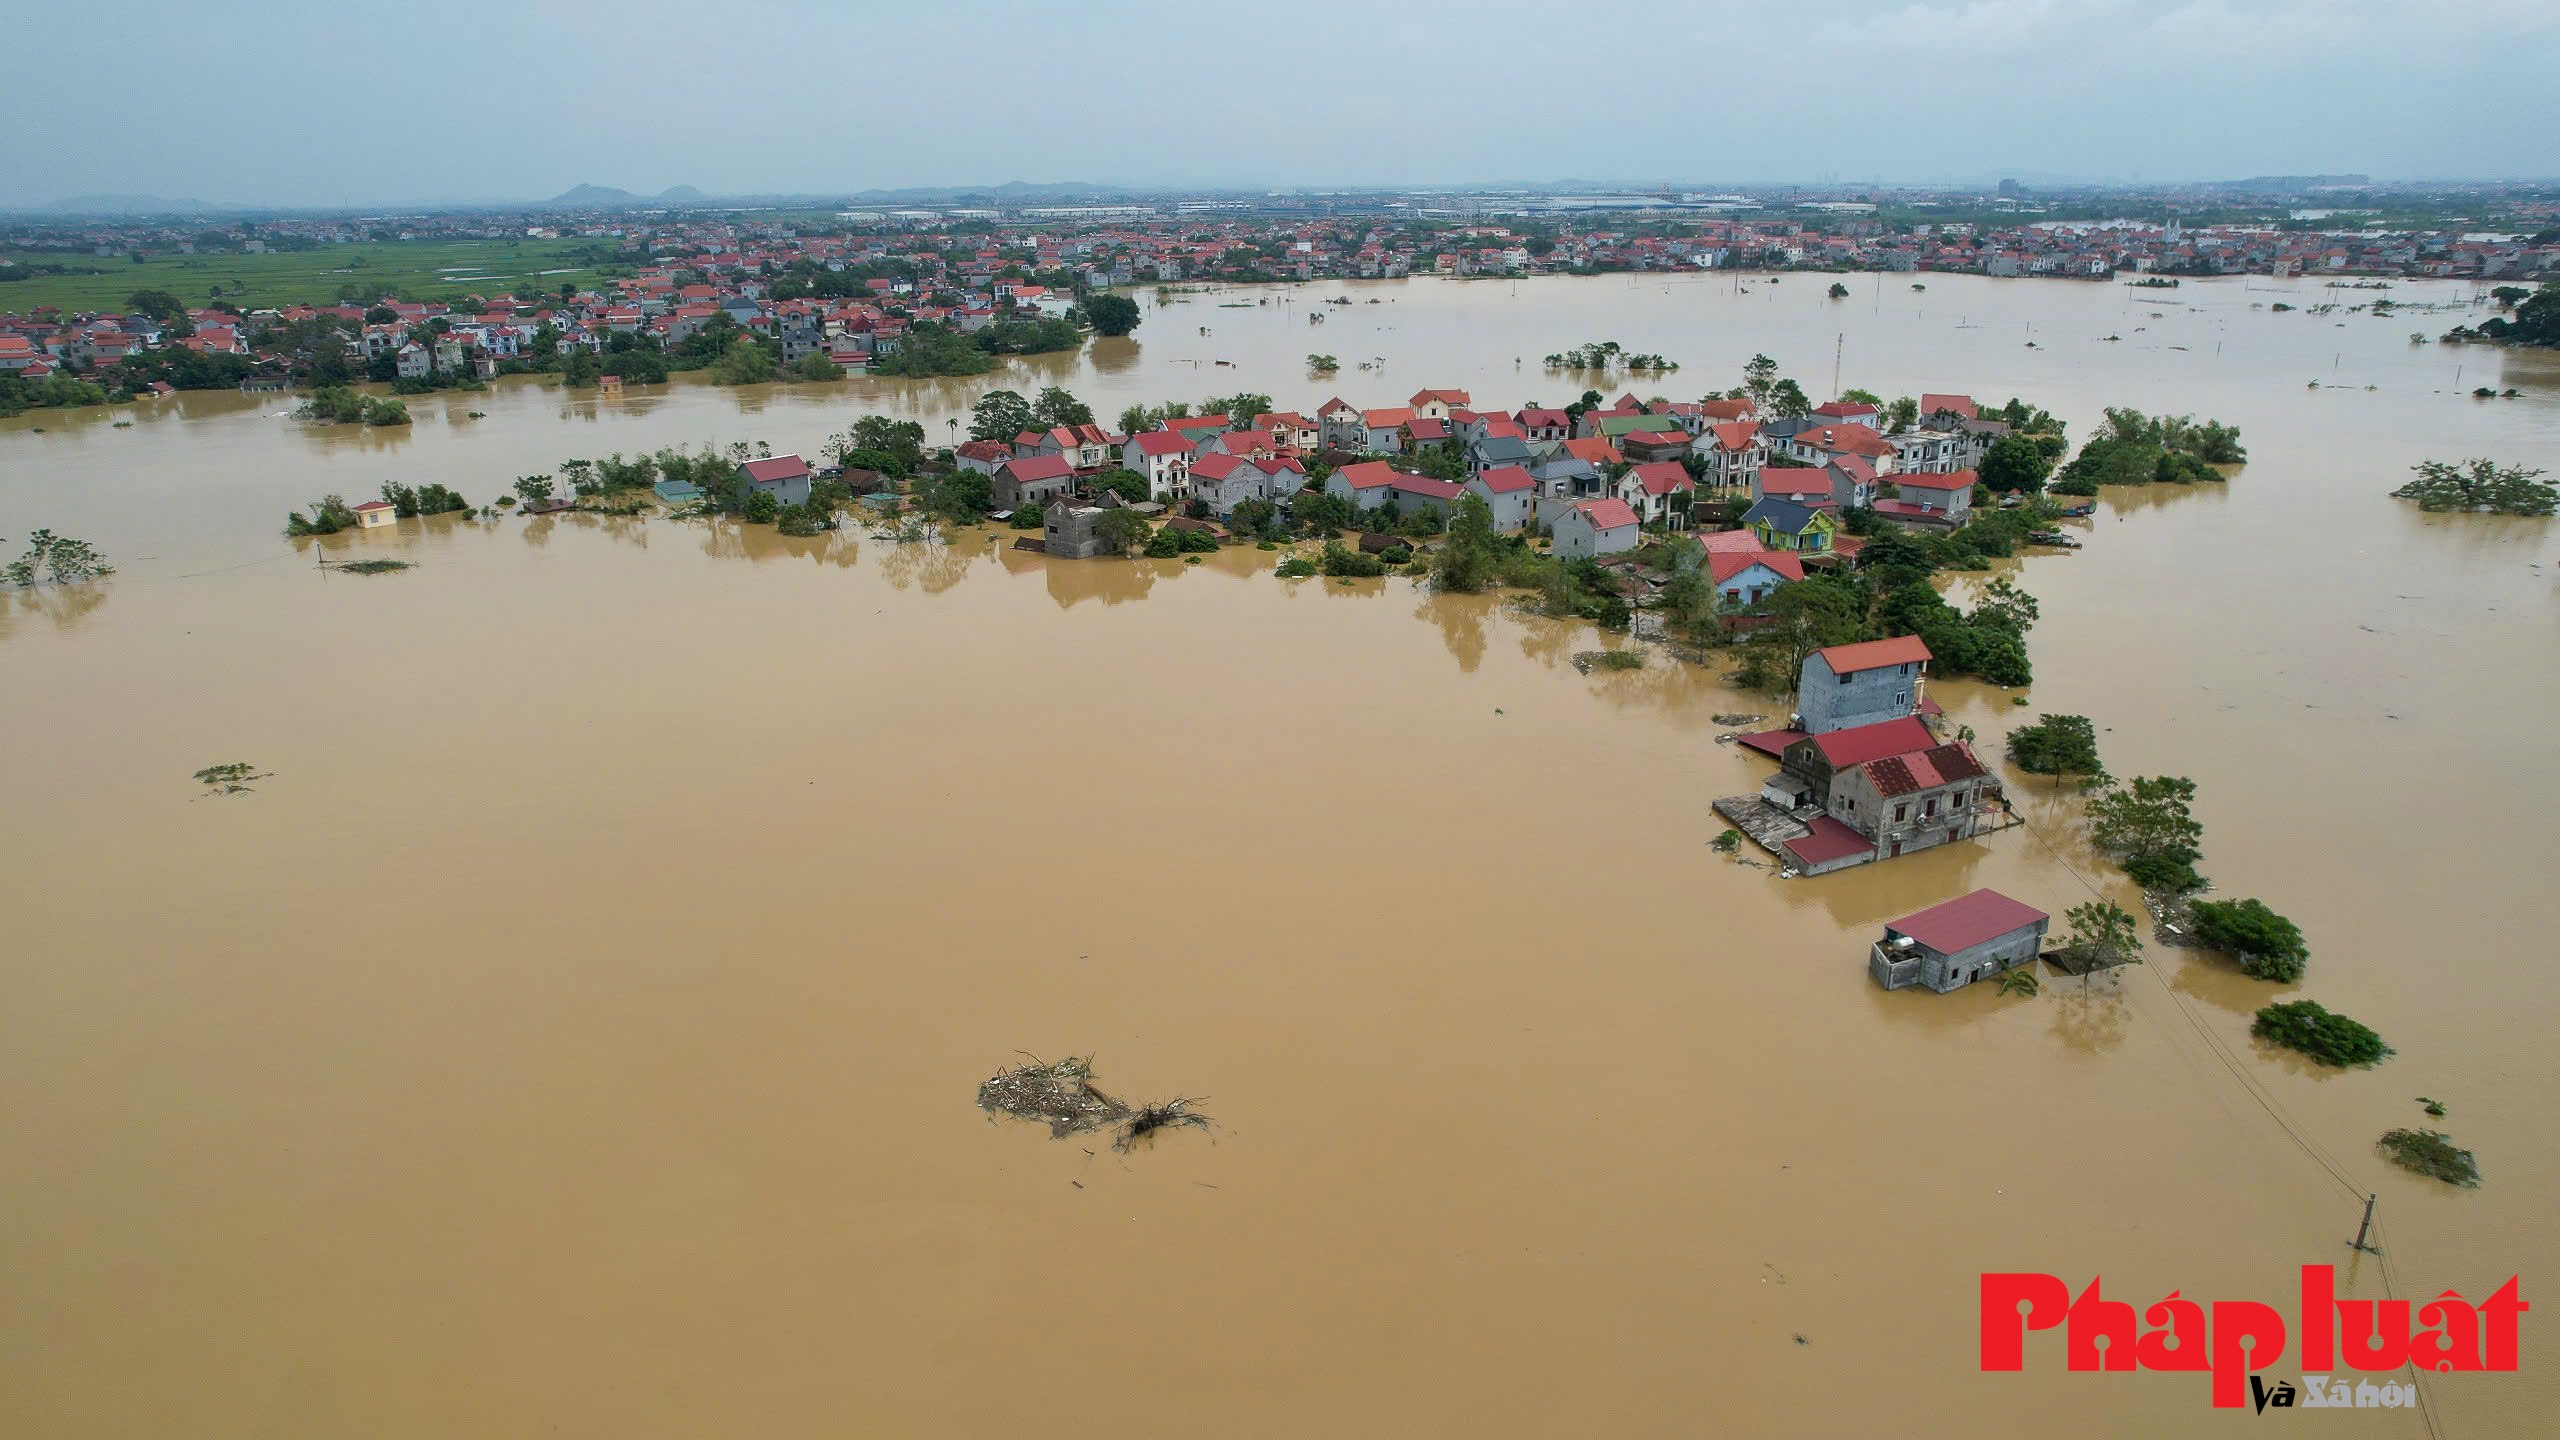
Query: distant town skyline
[(304, 104)]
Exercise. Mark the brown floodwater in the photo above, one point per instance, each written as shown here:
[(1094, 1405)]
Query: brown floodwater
[(576, 1033)]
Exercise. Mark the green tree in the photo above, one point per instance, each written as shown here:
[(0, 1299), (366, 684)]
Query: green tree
[(1111, 314), (1120, 529), (2057, 745), (1798, 619), (2147, 824), (815, 366), (2311, 1028), (1128, 484), (2266, 944), (532, 488), (1901, 415), (999, 415), (2102, 934), (745, 362), (2014, 464), (1056, 407), (1465, 563), (2481, 485)]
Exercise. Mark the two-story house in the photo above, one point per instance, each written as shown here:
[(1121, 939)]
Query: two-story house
[(1843, 687)]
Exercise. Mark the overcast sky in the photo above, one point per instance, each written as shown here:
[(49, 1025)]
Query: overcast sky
[(321, 102)]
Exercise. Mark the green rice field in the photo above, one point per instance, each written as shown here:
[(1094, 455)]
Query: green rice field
[(412, 269)]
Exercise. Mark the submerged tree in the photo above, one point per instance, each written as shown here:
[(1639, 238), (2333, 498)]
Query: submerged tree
[(2147, 825), (2266, 944), (62, 559), (2059, 746), (2481, 485), (2102, 934)]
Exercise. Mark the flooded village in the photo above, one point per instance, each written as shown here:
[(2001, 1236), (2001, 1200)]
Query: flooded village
[(632, 895)]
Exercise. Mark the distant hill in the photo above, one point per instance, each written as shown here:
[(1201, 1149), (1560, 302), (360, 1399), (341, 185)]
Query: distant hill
[(607, 197)]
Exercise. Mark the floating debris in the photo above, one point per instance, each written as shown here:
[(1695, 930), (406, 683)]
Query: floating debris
[(373, 567), (1737, 719), (1061, 1094), (231, 779)]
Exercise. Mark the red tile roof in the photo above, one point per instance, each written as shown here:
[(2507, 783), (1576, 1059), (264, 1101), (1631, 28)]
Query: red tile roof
[(1874, 654), (1723, 565), (1830, 840), (1924, 769), (1861, 743), (1425, 485), (1039, 467), (373, 505), (1662, 477), (1506, 479), (1607, 514), (779, 467), (1966, 921), (1956, 404), (1368, 474), (1961, 480), (1161, 442)]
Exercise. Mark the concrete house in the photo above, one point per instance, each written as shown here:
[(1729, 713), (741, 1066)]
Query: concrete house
[(1382, 431), (983, 456), (1507, 491), (1734, 454), (1744, 578), (1164, 458), (1914, 801), (1592, 528), (1342, 426), (1786, 525), (1436, 404), (1946, 947), (784, 477), (1367, 484), (1944, 501), (1030, 480), (1659, 492), (1223, 481), (1067, 530), (374, 514), (1926, 452), (1801, 484), (1414, 493), (1497, 451), (1811, 763), (1843, 687)]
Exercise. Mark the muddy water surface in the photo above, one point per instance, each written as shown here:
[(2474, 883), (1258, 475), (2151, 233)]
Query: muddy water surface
[(576, 1034)]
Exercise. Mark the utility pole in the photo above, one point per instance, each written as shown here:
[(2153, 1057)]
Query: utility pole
[(1838, 341), (2366, 1228)]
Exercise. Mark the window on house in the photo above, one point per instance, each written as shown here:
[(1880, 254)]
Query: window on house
[(1846, 678), (1901, 813)]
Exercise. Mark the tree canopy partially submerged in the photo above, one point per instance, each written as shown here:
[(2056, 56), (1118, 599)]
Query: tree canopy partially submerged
[(2481, 485), (2432, 1153), (1061, 1094)]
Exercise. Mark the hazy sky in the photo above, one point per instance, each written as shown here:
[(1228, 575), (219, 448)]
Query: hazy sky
[(305, 102)]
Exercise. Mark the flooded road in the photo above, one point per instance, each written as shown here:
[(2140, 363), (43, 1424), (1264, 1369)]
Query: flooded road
[(576, 1033)]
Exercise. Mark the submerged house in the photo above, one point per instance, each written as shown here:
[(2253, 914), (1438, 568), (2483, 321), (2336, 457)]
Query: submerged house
[(784, 477), (1594, 528), (1845, 686), (1949, 946)]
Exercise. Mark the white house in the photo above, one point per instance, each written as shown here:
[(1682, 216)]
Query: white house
[(1594, 528)]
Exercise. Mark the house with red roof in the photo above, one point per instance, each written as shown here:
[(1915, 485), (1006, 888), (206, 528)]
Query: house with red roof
[(1734, 452), (1948, 946), (1509, 492), (1659, 492), (1367, 484), (1164, 457), (1592, 528), (1436, 404), (1800, 484), (1849, 412), (1915, 800), (1539, 423), (1937, 501), (1032, 480), (1746, 577), (784, 477), (982, 456), (374, 514), (1850, 687)]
